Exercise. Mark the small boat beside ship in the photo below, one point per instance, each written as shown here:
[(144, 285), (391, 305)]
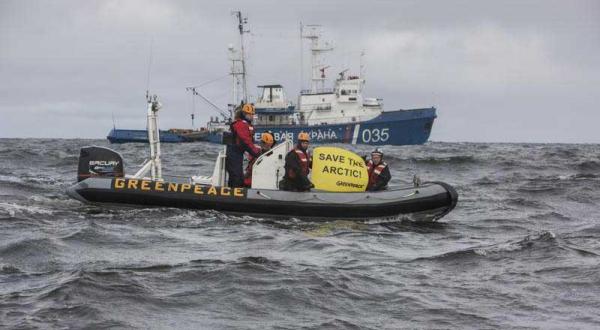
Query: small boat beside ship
[(102, 180), (340, 114), (173, 135)]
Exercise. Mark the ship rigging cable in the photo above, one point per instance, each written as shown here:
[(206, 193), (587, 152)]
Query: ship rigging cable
[(216, 108)]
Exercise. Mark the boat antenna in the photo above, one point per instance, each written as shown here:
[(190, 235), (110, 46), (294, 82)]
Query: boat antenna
[(153, 164), (148, 98), (193, 110), (113, 119), (241, 22)]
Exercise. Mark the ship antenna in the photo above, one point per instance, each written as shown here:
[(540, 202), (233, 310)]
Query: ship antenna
[(301, 58), (362, 65), (313, 33), (113, 119), (149, 67)]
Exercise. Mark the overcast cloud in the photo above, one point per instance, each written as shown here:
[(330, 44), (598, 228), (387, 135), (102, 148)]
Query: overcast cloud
[(496, 70)]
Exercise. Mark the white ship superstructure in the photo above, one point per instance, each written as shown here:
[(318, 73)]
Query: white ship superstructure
[(344, 102), (273, 108)]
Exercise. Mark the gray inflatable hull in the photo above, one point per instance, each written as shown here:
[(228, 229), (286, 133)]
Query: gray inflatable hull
[(430, 201)]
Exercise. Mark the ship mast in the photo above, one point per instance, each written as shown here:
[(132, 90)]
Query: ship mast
[(241, 22), (236, 74), (362, 65), (313, 33), (301, 60)]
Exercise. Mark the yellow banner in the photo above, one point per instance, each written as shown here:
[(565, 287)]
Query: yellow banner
[(336, 169)]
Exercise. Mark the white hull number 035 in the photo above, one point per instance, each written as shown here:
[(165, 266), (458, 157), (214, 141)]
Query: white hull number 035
[(375, 135)]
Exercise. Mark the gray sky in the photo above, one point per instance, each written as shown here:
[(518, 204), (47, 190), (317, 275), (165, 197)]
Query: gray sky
[(496, 70)]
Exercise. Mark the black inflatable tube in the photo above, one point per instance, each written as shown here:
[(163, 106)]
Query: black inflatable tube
[(444, 202), (452, 195)]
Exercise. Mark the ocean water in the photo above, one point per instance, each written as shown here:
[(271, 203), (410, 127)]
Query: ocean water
[(521, 249)]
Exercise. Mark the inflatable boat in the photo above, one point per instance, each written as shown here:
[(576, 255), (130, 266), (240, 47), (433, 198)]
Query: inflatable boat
[(101, 179), (429, 201)]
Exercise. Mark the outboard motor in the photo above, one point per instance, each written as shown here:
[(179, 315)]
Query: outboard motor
[(99, 161)]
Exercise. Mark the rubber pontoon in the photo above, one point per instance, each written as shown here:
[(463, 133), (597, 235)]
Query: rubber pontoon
[(429, 201)]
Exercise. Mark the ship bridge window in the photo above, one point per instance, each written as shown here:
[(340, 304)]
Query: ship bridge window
[(271, 118), (343, 92)]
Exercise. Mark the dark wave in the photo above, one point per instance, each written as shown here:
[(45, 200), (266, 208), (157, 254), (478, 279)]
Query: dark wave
[(258, 260), (556, 216), (29, 248), (446, 160), (484, 181), (496, 250), (9, 269), (582, 176), (559, 152), (525, 202), (589, 165), (537, 188)]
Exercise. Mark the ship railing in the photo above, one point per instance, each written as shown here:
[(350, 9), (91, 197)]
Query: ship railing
[(287, 110), (318, 91), (317, 106)]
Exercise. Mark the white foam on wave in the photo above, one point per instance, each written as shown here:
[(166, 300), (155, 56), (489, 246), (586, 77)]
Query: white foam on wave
[(514, 245), (14, 209), (12, 179)]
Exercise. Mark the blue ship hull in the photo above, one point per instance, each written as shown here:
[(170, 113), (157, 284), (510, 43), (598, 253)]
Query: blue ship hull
[(400, 127), (141, 135)]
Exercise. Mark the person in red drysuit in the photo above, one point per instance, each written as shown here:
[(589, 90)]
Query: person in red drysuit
[(266, 143), (242, 141)]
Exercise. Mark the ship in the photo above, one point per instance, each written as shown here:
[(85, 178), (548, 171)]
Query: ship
[(173, 135), (338, 114)]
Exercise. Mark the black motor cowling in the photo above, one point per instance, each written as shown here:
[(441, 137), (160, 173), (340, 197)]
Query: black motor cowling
[(99, 161)]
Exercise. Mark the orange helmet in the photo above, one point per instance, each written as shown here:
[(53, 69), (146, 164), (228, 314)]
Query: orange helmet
[(266, 138), (303, 136), (248, 109), (377, 151)]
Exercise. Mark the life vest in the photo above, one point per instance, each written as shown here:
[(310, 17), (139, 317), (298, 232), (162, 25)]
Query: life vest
[(304, 163), (236, 138), (374, 172)]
